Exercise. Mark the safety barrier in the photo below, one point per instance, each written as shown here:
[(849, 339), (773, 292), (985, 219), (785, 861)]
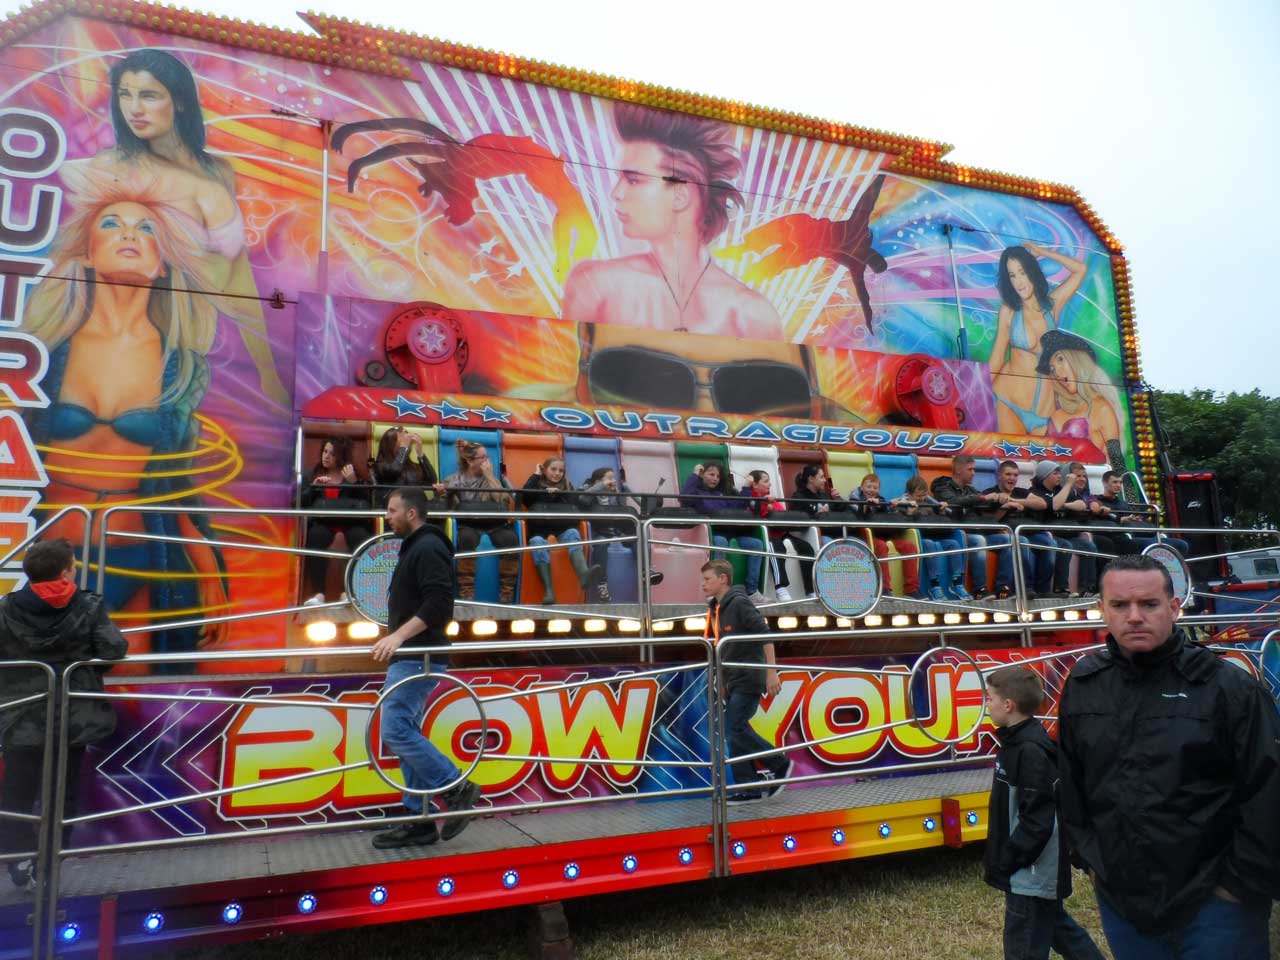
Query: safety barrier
[(50, 853)]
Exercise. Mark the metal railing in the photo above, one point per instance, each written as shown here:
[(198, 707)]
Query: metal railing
[(51, 852)]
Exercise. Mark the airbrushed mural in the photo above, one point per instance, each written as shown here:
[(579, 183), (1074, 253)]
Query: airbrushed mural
[(202, 242)]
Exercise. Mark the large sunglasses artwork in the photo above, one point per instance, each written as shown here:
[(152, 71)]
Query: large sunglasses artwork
[(652, 378)]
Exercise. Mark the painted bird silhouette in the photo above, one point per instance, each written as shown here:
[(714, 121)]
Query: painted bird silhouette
[(454, 169)]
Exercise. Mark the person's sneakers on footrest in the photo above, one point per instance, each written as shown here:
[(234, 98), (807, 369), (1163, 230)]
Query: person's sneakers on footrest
[(460, 798), (407, 835), (747, 796)]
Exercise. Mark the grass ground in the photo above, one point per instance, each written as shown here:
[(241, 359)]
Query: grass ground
[(926, 904)]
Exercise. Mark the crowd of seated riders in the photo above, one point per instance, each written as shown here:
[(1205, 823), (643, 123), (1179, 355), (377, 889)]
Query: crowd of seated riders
[(931, 532)]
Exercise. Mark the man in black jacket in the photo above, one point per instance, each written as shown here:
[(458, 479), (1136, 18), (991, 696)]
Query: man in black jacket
[(1170, 764), (51, 621), (731, 612), (958, 492), (1026, 854), (420, 606)]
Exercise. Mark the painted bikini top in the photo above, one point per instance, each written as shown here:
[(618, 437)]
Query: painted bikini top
[(142, 425), (160, 428), (1076, 428), (1018, 329)]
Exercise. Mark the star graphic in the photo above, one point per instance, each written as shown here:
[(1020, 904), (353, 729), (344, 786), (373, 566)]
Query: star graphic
[(1035, 450), (449, 411), (1061, 451), (433, 339), (404, 407), (490, 415), (1008, 449)]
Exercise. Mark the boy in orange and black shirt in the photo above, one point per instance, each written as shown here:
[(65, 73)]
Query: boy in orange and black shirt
[(731, 612)]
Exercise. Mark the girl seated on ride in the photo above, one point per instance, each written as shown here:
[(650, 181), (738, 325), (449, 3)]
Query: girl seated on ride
[(917, 497), (868, 494), (760, 487), (546, 491), (605, 494), (707, 490), (400, 463), (335, 485), (473, 484)]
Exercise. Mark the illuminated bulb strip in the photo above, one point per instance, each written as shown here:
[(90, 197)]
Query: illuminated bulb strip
[(523, 627), (559, 626)]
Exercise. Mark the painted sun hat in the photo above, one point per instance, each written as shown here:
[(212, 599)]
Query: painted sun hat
[(1055, 340)]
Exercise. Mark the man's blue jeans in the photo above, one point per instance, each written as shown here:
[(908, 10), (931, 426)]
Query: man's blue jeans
[(755, 561), (1040, 573), (421, 764), (1221, 929), (978, 560)]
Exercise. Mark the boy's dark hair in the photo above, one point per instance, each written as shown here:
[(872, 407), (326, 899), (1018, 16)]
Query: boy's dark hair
[(1021, 685), (412, 498), (722, 568), (48, 560), (1005, 464), (1109, 476), (1139, 562)]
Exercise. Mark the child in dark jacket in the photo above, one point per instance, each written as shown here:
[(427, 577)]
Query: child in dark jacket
[(1026, 853)]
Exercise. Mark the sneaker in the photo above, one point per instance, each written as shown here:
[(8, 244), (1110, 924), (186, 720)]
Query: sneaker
[(23, 874), (461, 797), (811, 596), (1003, 591), (784, 595), (757, 598), (602, 593), (314, 601), (958, 592), (655, 577), (775, 788), (746, 796), (935, 593), (407, 835)]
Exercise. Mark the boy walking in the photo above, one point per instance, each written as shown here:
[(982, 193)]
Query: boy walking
[(730, 613), (1026, 854)]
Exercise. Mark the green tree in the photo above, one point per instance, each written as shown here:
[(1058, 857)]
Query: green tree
[(1237, 436)]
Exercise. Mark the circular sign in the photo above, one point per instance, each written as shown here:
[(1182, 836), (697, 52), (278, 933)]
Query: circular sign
[(369, 576), (1171, 560), (846, 578)]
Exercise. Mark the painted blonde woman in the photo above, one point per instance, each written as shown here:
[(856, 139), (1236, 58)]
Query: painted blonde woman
[(127, 343)]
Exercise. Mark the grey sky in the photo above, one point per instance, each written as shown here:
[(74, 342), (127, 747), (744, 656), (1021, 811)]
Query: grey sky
[(1161, 114)]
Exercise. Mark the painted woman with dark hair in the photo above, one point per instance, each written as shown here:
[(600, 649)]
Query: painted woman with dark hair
[(673, 191), (1028, 310), (160, 137)]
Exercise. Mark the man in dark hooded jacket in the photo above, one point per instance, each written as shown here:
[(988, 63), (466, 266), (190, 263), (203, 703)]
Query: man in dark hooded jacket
[(51, 621), (731, 613), (1170, 782)]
